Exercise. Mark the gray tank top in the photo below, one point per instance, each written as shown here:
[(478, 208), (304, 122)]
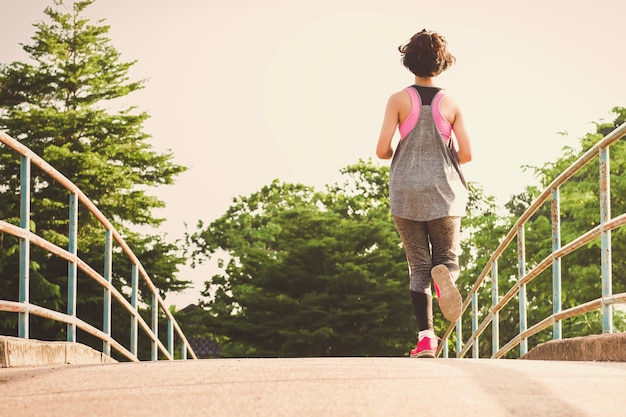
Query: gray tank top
[(426, 181)]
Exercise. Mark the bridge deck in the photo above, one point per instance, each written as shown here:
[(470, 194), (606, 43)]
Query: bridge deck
[(318, 387)]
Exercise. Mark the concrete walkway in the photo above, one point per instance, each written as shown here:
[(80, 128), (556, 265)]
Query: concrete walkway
[(318, 387), (64, 379)]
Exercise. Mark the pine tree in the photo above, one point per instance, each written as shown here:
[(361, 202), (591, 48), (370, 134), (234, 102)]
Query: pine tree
[(62, 105)]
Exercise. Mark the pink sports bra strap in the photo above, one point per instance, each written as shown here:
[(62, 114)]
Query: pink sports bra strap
[(445, 128)]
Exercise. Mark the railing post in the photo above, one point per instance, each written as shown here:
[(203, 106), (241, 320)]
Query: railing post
[(72, 267), (24, 290), (495, 321), (170, 337), (521, 266), (605, 240), (133, 302), (475, 350), (183, 350), (106, 316), (556, 262), (459, 337), (155, 327)]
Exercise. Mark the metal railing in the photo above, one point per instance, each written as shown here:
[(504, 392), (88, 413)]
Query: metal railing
[(24, 308), (489, 274)]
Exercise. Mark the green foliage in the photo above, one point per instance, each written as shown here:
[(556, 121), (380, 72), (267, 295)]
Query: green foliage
[(61, 104), (308, 273)]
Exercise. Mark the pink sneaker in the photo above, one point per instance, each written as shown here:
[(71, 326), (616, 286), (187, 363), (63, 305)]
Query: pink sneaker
[(437, 290), (450, 301), (426, 348)]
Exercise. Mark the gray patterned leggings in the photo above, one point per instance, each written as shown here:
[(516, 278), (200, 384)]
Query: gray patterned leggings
[(427, 244)]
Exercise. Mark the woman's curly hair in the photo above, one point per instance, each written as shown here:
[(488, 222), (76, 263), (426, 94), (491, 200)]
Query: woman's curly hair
[(426, 54)]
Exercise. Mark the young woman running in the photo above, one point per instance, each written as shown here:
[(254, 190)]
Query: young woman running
[(428, 193)]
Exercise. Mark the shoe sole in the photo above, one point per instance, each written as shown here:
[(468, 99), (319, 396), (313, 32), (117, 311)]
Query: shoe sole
[(450, 301), (424, 354)]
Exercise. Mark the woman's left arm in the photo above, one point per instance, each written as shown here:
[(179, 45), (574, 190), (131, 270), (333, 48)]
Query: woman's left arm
[(388, 129)]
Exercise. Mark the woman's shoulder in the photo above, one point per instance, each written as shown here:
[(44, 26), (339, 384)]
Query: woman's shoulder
[(402, 93), (400, 98), (447, 99)]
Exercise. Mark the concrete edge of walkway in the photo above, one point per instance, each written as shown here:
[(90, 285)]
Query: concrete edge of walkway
[(610, 347), (19, 352)]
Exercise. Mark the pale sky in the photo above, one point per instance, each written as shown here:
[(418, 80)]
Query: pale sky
[(247, 91)]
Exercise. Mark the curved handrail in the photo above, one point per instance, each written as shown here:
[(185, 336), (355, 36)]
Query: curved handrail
[(25, 235), (600, 151)]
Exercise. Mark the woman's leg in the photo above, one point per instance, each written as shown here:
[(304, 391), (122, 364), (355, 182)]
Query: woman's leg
[(444, 239), (414, 237)]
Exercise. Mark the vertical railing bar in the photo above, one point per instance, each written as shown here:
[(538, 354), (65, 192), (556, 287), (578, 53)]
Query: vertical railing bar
[(108, 266), (521, 254), (170, 337), (445, 348), (155, 327), (133, 302), (183, 350), (495, 323), (605, 239), (24, 272), (475, 351), (72, 266), (556, 262), (459, 337)]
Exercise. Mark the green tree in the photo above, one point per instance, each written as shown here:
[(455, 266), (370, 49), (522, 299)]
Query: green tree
[(62, 105), (308, 273)]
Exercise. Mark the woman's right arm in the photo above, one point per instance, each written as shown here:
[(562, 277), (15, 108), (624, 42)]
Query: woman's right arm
[(460, 132)]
